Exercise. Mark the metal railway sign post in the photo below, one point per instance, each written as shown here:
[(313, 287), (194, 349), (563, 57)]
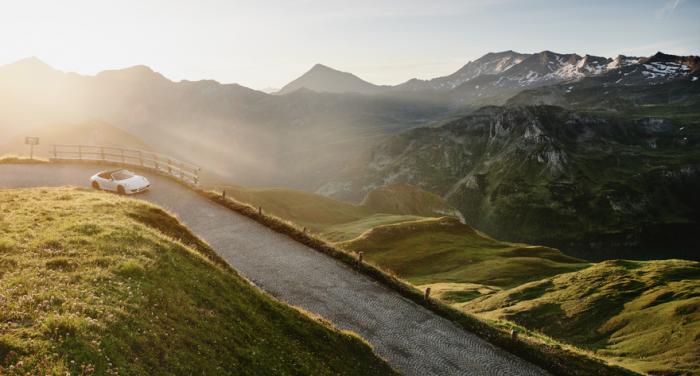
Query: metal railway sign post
[(31, 141)]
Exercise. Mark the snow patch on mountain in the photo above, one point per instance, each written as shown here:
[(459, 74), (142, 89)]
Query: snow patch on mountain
[(665, 70), (489, 64), (622, 61)]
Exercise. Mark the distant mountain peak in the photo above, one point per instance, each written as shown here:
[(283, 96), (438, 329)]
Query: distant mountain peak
[(489, 64), (499, 54), (133, 72), (319, 66), (660, 55), (322, 78), (31, 60), (140, 68), (31, 63)]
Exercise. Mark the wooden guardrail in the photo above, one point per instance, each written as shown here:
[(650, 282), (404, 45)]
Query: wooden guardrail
[(186, 172)]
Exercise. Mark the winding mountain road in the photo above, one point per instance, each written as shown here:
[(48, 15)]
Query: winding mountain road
[(412, 339)]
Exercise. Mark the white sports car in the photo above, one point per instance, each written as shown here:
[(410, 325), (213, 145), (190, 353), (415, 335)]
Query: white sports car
[(120, 181)]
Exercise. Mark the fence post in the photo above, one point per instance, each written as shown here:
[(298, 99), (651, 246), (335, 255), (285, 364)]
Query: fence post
[(427, 293), (260, 210), (359, 257)]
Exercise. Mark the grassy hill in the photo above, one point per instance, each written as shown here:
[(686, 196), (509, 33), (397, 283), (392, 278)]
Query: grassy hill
[(340, 221), (394, 229), (405, 199), (456, 257), (642, 315), (91, 283)]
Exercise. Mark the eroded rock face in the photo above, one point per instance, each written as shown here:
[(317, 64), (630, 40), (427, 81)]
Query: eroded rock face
[(542, 174)]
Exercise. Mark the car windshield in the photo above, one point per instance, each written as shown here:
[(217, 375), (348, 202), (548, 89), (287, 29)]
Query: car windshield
[(122, 174)]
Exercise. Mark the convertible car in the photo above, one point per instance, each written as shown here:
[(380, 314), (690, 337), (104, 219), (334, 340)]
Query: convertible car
[(120, 181)]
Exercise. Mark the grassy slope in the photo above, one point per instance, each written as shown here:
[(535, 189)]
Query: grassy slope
[(93, 283), (642, 315), (393, 228), (464, 267), (400, 198), (541, 350), (443, 250), (350, 230), (339, 221)]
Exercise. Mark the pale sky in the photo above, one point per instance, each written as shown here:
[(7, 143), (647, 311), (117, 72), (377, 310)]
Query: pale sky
[(269, 43)]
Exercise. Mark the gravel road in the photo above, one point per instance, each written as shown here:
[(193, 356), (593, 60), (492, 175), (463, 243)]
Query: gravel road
[(412, 339)]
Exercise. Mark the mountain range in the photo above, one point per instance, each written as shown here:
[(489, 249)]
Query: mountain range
[(495, 77), (609, 172), (596, 156), (236, 132), (427, 133)]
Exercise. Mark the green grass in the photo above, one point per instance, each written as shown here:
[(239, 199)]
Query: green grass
[(443, 250), (303, 208), (641, 315), (91, 283), (423, 250), (340, 221), (403, 199), (544, 351), (350, 230), (459, 264)]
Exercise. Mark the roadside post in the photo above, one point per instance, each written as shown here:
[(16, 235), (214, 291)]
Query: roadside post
[(514, 334), (31, 141)]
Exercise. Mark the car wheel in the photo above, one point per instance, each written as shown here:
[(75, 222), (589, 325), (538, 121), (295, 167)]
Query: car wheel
[(96, 185), (120, 190)]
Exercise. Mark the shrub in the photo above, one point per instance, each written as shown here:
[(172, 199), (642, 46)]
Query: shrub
[(129, 268), (61, 263), (63, 326), (6, 245)]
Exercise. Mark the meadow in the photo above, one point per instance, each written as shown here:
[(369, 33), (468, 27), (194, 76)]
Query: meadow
[(92, 283), (641, 315)]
